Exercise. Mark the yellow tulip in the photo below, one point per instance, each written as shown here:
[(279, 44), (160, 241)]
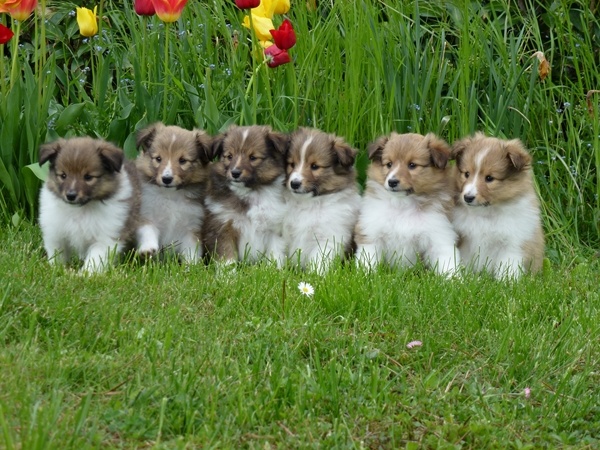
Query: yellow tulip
[(281, 6), (87, 21), (262, 25), (268, 8)]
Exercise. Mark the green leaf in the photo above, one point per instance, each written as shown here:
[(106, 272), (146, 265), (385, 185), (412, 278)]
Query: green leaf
[(41, 172), (69, 115)]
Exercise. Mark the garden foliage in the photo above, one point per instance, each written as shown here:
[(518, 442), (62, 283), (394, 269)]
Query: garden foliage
[(359, 69)]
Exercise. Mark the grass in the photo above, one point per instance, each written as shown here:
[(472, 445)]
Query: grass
[(168, 356)]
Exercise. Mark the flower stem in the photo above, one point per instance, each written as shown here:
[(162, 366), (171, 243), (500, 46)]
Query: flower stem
[(41, 50), (2, 76), (166, 69), (254, 71), (15, 53)]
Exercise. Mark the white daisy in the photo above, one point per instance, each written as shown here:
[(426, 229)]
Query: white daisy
[(306, 289), (413, 344)]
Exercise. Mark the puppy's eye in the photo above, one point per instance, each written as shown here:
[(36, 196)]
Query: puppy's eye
[(489, 179), (313, 167), (158, 159), (63, 176), (292, 165), (229, 157), (467, 174), (411, 165), (252, 158), (182, 160), (87, 177), (389, 165)]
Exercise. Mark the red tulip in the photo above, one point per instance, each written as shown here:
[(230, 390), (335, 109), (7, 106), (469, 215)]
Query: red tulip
[(144, 7), (284, 36), (168, 10), (21, 10), (247, 4), (276, 56), (5, 34)]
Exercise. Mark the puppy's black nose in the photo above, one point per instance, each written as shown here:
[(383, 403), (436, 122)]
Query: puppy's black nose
[(469, 198), (295, 184), (393, 183), (167, 180), (235, 173), (71, 196)]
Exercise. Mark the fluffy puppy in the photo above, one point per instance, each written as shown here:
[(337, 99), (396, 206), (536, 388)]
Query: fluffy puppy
[(89, 204), (322, 197), (497, 215), (174, 169), (245, 204), (405, 207)]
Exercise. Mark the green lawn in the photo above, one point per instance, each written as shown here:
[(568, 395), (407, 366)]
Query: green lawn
[(169, 356)]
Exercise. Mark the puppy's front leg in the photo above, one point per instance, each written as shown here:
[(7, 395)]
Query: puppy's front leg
[(509, 265), (99, 256), (147, 238), (57, 253), (367, 256), (191, 248)]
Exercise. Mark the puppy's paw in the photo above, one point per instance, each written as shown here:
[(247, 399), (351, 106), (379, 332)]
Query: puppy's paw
[(147, 252)]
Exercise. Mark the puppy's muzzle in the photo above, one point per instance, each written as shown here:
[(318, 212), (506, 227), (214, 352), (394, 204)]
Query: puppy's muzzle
[(468, 199), (167, 180), (393, 183), (295, 184), (236, 174)]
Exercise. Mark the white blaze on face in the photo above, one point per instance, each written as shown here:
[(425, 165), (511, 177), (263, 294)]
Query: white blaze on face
[(244, 137), (296, 174), (392, 175), (470, 188), (238, 161), (168, 170)]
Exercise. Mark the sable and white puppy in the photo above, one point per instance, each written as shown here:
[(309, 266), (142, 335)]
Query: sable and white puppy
[(323, 199), (497, 215), (174, 169), (89, 204), (245, 204), (406, 204)]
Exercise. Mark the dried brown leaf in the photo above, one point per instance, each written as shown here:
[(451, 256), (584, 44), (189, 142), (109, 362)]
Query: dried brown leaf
[(544, 66)]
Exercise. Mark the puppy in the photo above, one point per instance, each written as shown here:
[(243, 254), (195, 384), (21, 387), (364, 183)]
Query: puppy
[(89, 204), (497, 215), (406, 204), (174, 169), (323, 199), (245, 203)]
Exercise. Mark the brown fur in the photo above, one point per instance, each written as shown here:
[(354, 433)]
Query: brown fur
[(507, 168), (419, 162), (84, 169), (504, 176), (328, 166), (188, 152), (249, 156)]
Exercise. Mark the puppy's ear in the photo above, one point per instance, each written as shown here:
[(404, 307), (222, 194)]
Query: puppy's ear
[(279, 141), (520, 159), (376, 148), (458, 148), (346, 155), (112, 156), (49, 152), (204, 146), (439, 149), (216, 147), (146, 136)]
